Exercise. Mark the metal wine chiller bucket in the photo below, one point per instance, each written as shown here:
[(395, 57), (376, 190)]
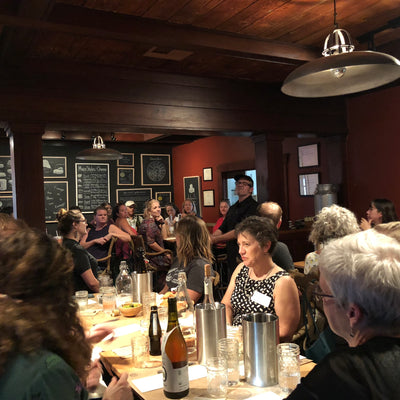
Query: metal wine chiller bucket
[(210, 327), (141, 283), (260, 338)]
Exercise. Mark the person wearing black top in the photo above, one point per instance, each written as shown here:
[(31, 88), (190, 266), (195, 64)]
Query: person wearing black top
[(360, 288), (242, 209)]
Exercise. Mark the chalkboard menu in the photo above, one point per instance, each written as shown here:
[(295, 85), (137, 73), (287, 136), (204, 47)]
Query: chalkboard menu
[(55, 198), (139, 196), (5, 174), (92, 185)]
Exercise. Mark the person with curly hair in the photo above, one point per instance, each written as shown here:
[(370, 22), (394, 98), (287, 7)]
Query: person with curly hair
[(44, 353), (332, 222), (193, 253), (380, 211)]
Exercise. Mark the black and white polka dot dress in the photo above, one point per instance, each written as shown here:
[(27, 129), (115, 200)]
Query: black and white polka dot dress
[(244, 289)]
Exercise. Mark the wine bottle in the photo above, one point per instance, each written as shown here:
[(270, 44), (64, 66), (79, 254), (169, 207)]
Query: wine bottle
[(154, 332), (174, 356), (208, 299), (140, 261)]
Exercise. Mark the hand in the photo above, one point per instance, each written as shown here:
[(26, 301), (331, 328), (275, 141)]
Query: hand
[(94, 376), (364, 225), (118, 389), (98, 332)]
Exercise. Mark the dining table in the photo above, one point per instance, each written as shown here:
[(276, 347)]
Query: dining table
[(147, 383)]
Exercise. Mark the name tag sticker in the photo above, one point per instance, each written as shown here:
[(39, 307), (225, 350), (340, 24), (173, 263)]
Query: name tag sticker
[(261, 298)]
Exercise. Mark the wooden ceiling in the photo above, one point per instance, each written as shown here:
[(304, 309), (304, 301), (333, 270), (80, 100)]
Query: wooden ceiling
[(242, 40)]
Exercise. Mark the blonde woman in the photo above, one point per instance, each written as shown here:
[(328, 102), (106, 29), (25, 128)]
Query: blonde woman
[(193, 252)]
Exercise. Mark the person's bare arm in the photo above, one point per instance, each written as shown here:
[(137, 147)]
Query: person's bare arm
[(118, 233), (86, 244), (125, 227), (218, 236), (287, 307), (118, 389), (228, 294), (91, 281), (164, 231), (194, 295)]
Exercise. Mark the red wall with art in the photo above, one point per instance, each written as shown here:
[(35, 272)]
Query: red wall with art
[(222, 154), (373, 159)]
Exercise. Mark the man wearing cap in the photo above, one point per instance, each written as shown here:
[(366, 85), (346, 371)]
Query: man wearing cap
[(133, 220), (242, 209), (281, 254)]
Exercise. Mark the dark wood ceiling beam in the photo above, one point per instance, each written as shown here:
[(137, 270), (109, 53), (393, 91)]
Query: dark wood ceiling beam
[(81, 21)]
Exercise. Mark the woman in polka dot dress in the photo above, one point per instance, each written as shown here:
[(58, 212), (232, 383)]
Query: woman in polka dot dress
[(259, 285)]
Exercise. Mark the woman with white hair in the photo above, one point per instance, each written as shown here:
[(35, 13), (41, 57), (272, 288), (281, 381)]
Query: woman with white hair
[(360, 289), (331, 223)]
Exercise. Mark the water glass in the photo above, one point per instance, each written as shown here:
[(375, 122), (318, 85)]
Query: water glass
[(81, 297), (288, 366), (148, 299), (105, 289), (140, 350), (228, 349), (109, 302), (217, 378)]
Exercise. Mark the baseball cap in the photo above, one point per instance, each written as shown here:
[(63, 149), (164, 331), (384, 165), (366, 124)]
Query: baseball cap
[(130, 203), (244, 178)]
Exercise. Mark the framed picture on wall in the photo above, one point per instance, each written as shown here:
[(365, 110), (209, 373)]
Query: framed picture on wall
[(127, 160), (156, 169), (5, 174), (55, 198), (54, 167), (308, 183), (5, 201), (207, 174), (191, 187), (139, 196), (308, 155), (164, 198), (126, 176), (208, 198)]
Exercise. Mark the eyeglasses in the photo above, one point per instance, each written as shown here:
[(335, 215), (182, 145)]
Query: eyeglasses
[(83, 220), (319, 295), (241, 183)]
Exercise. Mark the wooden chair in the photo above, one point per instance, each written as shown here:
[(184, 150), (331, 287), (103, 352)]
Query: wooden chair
[(107, 270)]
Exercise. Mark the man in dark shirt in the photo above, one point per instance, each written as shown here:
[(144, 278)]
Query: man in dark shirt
[(242, 209), (281, 254)]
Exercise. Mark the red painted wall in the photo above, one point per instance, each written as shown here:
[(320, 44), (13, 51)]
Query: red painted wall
[(373, 145), (218, 152)]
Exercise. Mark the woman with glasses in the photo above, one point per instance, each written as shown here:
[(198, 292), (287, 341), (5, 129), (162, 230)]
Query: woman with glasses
[(72, 226), (360, 290)]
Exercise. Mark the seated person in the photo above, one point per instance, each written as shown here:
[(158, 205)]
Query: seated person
[(133, 220), (150, 229), (97, 240), (220, 248), (10, 225), (259, 285), (359, 287), (168, 229), (44, 353), (188, 208), (331, 223), (72, 226), (380, 211), (193, 253)]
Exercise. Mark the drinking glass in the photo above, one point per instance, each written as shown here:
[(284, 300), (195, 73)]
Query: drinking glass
[(81, 297), (217, 378), (140, 350), (288, 366), (148, 299), (228, 349), (109, 302)]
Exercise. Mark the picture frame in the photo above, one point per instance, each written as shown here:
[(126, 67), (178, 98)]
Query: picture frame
[(164, 198), (5, 175), (126, 176), (55, 198), (191, 187), (308, 155), (155, 169), (207, 174), (208, 198), (308, 184), (127, 160), (6, 201), (54, 167), (139, 196)]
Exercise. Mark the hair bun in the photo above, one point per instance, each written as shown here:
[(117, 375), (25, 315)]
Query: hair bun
[(61, 213)]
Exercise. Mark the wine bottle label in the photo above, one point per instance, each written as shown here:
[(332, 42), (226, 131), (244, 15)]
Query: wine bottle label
[(175, 374)]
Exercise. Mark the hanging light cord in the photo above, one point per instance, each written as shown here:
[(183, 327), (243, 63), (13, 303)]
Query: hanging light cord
[(334, 15)]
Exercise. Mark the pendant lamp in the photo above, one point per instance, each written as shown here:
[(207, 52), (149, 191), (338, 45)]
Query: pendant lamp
[(341, 70), (99, 152)]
